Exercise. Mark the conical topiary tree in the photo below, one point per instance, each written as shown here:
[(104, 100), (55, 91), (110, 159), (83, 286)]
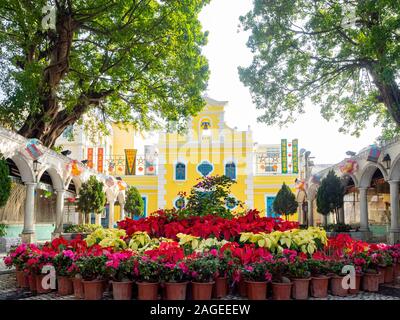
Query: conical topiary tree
[(330, 195), (134, 204), (5, 182), (285, 202), (91, 197)]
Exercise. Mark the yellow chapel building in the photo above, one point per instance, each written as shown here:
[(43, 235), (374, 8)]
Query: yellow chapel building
[(175, 163)]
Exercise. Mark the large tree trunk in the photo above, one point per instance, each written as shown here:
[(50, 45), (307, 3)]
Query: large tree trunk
[(44, 125), (389, 93)]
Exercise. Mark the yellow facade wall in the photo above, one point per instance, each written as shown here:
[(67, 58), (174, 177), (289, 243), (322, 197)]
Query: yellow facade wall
[(269, 185), (148, 187), (123, 138)]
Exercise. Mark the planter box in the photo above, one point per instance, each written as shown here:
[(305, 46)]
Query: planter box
[(7, 242)]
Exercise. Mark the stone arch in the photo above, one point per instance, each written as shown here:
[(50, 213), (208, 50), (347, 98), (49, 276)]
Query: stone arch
[(25, 169), (367, 173), (351, 176), (56, 178), (395, 169)]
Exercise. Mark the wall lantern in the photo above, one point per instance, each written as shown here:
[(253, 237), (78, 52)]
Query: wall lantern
[(387, 161), (35, 166)]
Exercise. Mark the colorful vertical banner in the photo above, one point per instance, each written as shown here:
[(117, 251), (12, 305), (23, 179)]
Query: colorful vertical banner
[(90, 158), (284, 163), (374, 154), (149, 157), (100, 160), (130, 161), (295, 155)]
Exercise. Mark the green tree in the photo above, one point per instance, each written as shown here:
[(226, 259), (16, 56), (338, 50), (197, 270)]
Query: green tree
[(5, 182), (127, 61), (330, 195), (211, 195), (285, 202), (134, 204), (342, 55), (91, 197)]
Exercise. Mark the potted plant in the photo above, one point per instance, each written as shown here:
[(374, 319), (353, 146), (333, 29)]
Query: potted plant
[(336, 266), (147, 272), (203, 270), (300, 276), (359, 264), (175, 277), (225, 271), (281, 284), (63, 263), (319, 268), (371, 276), (18, 257), (92, 270), (119, 267), (257, 276)]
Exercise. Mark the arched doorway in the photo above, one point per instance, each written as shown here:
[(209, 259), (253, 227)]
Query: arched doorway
[(379, 206), (351, 201)]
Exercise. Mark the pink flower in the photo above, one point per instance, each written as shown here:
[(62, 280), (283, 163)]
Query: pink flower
[(214, 252), (249, 268), (69, 254), (268, 276)]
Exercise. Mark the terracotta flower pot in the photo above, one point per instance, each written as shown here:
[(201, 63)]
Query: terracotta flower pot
[(256, 290), (337, 288), (396, 272), (242, 288), (147, 290), (39, 287), (389, 277), (281, 291), (93, 290), (358, 285), (382, 271), (220, 287), (64, 286), (22, 279), (300, 289), (202, 290), (319, 286), (78, 288), (122, 290), (175, 290), (370, 282), (32, 283)]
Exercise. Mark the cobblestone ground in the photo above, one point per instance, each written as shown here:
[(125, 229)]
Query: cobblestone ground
[(8, 291)]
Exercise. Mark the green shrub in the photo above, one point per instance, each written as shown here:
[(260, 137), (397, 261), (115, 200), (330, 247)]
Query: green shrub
[(134, 204), (81, 228), (3, 230), (5, 182), (91, 197)]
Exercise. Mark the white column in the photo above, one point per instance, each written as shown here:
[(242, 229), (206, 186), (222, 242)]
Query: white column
[(28, 233), (394, 235), (341, 215), (324, 220), (98, 219), (310, 213), (59, 210), (299, 214), (111, 214), (364, 225), (122, 211)]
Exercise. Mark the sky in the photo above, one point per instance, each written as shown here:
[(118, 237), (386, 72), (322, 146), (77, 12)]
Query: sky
[(225, 51)]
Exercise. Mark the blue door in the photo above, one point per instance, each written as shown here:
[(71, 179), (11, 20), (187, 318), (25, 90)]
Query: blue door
[(269, 206), (145, 210)]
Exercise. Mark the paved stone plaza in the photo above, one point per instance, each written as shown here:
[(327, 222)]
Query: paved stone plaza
[(8, 291)]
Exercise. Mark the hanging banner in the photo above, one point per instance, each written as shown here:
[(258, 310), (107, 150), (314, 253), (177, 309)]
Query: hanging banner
[(295, 155), (100, 159), (130, 161), (374, 154), (90, 158), (284, 156), (348, 166), (32, 148), (150, 157)]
